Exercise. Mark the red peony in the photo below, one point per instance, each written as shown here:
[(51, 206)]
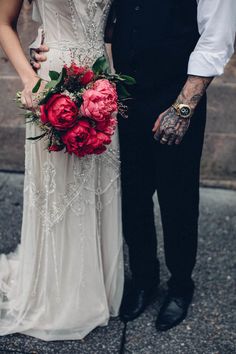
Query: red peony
[(83, 140), (100, 102), (60, 111), (99, 143), (74, 69), (77, 138), (104, 138), (80, 113), (87, 77), (55, 147), (107, 126)]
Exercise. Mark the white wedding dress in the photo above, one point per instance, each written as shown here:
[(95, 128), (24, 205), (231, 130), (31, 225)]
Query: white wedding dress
[(66, 277)]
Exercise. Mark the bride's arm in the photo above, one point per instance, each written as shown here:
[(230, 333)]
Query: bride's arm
[(110, 56), (9, 41)]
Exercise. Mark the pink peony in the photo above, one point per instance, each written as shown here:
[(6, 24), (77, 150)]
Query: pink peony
[(100, 102)]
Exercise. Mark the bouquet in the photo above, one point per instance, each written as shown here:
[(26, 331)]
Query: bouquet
[(77, 110)]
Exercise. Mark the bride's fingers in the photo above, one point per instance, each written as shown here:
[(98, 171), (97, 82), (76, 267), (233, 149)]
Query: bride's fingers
[(35, 65), (40, 57), (34, 98), (29, 102), (43, 48), (23, 100), (35, 101), (26, 100)]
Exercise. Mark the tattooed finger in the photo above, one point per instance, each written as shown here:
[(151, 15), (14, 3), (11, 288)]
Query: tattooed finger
[(177, 126), (178, 140), (164, 139), (181, 133), (157, 135), (157, 125), (171, 139)]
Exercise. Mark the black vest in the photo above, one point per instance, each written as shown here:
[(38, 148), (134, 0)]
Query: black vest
[(153, 40)]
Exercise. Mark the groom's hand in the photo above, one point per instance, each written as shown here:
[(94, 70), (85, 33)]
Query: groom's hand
[(170, 127), (38, 55)]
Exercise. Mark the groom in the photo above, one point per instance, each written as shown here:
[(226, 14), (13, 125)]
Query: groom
[(158, 43)]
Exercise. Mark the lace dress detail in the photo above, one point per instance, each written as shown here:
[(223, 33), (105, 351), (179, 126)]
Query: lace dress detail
[(66, 277), (91, 22)]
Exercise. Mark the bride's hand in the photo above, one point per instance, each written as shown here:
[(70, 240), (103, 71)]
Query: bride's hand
[(28, 98)]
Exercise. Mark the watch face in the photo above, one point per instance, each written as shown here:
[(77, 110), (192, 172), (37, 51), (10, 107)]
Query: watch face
[(184, 111)]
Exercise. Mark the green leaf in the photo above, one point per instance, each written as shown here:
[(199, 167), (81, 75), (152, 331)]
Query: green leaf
[(50, 85), (100, 66), (54, 75), (56, 79), (37, 86), (37, 137), (122, 92), (61, 76), (18, 95), (46, 98), (128, 80)]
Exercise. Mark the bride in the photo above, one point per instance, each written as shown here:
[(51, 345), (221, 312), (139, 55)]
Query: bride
[(66, 276)]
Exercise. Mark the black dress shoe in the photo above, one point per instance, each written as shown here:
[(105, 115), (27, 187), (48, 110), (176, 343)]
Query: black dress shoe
[(136, 300), (173, 311)]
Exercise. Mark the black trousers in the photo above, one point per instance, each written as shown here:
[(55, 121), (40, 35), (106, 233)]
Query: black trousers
[(148, 167)]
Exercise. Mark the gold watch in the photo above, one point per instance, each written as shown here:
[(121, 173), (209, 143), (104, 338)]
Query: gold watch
[(182, 110)]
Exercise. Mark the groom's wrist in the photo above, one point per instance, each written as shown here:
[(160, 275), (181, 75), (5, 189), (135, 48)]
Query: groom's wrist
[(193, 90)]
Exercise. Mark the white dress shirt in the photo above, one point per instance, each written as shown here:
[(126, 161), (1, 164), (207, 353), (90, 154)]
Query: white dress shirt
[(217, 27)]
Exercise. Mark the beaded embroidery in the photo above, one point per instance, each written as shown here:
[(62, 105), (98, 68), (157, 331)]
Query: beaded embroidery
[(95, 178)]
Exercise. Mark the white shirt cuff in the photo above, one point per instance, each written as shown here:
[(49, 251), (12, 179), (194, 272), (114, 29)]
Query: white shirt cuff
[(206, 64)]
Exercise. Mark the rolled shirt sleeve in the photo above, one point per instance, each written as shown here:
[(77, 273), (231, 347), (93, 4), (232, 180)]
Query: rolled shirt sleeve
[(217, 27)]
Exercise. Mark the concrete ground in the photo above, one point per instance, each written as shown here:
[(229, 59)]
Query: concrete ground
[(211, 325)]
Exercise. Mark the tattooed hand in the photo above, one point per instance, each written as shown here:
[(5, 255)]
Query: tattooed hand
[(170, 128)]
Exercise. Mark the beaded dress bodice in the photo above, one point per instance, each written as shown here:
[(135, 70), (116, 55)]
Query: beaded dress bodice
[(77, 25)]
